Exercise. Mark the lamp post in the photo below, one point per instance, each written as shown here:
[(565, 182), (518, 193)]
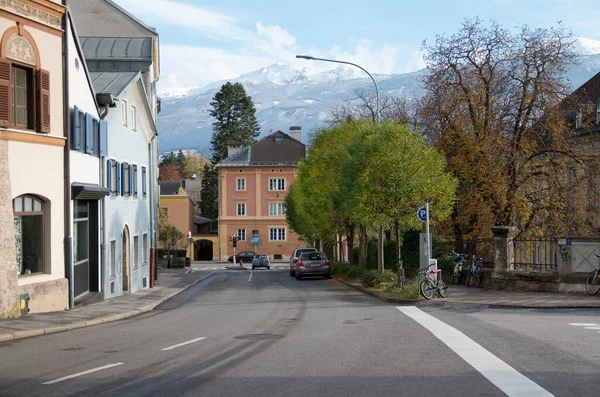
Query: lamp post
[(378, 120)]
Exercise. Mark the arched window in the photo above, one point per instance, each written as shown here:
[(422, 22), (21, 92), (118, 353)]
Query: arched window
[(29, 234), (23, 84)]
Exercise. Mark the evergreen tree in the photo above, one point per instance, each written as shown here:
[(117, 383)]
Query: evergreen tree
[(235, 123)]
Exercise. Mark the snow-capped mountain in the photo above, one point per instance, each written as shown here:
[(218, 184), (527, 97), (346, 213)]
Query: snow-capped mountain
[(286, 95)]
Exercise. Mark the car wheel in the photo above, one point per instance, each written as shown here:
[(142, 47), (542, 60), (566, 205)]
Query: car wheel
[(268, 267), (291, 273), (298, 276), (328, 276)]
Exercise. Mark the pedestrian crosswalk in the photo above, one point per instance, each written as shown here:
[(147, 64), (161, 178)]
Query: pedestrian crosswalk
[(587, 326)]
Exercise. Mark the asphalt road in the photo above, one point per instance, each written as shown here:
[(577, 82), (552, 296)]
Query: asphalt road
[(262, 333)]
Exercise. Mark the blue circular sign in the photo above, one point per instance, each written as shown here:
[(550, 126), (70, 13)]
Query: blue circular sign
[(422, 214)]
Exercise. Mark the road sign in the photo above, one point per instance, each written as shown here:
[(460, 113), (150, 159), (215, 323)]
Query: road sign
[(255, 240), (422, 214), (190, 240)]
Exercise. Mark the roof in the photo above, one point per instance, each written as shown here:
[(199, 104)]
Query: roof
[(117, 48), (276, 149), (104, 18), (169, 188), (112, 82), (200, 220)]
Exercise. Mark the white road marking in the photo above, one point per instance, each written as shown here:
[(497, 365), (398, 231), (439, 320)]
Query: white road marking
[(502, 375), (89, 371), (594, 328), (183, 344), (250, 278), (584, 324)]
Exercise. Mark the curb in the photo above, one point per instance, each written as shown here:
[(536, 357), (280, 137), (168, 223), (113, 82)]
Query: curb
[(379, 296), (100, 320)]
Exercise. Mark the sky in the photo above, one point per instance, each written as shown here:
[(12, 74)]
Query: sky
[(202, 42)]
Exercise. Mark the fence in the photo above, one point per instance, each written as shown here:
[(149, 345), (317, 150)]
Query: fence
[(483, 248), (536, 255)]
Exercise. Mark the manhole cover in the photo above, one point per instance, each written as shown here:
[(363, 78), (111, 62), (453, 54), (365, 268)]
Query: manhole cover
[(259, 337)]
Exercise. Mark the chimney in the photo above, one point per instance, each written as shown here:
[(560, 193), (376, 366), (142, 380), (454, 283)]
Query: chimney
[(296, 132), (233, 149)]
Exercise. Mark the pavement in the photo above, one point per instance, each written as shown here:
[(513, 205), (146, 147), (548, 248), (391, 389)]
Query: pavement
[(174, 281)]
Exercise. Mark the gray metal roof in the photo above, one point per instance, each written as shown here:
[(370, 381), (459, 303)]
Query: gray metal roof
[(117, 48), (112, 82), (104, 18)]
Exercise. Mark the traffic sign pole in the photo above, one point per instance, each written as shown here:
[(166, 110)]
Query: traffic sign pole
[(427, 229)]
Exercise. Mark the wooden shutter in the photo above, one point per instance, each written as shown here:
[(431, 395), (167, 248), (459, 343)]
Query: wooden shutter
[(75, 129), (109, 176), (122, 179), (143, 181), (44, 102), (118, 172), (5, 93), (89, 133), (103, 127)]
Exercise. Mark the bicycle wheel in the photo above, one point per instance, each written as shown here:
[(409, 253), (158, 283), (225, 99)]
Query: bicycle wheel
[(478, 277), (442, 289), (426, 289), (592, 284)]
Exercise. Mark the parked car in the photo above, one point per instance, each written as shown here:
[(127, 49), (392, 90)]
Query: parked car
[(244, 256), (261, 261), (312, 264), (295, 256)]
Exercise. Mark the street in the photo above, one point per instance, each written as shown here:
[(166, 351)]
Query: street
[(262, 333)]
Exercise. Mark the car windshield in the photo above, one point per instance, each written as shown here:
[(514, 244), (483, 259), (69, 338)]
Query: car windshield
[(313, 256)]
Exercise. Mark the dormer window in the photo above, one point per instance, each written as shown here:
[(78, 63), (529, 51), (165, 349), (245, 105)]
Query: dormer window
[(278, 138)]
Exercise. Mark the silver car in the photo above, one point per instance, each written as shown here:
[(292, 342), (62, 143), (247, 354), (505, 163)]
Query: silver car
[(312, 264), (295, 256)]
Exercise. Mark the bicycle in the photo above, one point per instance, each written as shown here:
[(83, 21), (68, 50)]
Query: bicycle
[(458, 267), (475, 272), (431, 283), (592, 284)]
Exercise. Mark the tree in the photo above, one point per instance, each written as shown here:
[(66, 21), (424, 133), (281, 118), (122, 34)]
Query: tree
[(491, 107), (169, 236), (235, 120), (235, 123), (170, 172), (194, 164)]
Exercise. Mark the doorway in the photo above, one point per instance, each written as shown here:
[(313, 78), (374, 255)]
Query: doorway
[(126, 259)]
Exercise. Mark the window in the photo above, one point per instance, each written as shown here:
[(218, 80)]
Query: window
[(241, 233), (276, 183), (136, 252), (598, 113), (113, 258), (241, 209), (144, 182), (277, 234), (145, 249), (241, 184), (124, 112), (134, 184), (112, 177), (276, 209), (25, 99), (95, 137), (579, 119), (133, 118), (29, 234), (126, 188)]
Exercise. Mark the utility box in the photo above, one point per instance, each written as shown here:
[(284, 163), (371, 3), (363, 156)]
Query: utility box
[(24, 303)]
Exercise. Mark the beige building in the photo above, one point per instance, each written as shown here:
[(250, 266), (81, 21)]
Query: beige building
[(32, 150)]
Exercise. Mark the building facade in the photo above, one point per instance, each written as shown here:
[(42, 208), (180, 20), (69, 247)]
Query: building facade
[(32, 151), (253, 184)]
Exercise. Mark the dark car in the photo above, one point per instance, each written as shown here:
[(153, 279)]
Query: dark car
[(261, 261), (244, 256), (312, 264)]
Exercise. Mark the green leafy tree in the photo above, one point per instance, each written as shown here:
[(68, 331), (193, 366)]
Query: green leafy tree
[(169, 236), (235, 123)]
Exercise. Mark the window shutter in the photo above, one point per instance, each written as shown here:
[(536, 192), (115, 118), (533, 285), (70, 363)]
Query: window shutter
[(131, 180), (122, 179), (44, 102), (75, 127), (109, 176), (89, 134), (5, 93), (135, 182), (103, 126), (118, 172), (143, 181)]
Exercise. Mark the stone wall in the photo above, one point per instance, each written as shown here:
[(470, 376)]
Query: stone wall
[(9, 304), (50, 296)]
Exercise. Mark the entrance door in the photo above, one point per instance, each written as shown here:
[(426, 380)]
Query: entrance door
[(81, 247), (126, 258)]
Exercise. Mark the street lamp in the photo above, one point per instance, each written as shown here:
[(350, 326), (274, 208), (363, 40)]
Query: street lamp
[(380, 231)]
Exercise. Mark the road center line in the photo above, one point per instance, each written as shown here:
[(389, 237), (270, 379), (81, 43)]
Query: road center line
[(250, 278), (183, 344), (89, 371), (502, 375)]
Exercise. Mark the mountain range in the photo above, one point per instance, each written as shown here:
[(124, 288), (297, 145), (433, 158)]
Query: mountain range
[(287, 95)]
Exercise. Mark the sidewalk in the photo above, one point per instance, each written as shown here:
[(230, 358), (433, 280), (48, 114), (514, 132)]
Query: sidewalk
[(500, 299), (170, 283)]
